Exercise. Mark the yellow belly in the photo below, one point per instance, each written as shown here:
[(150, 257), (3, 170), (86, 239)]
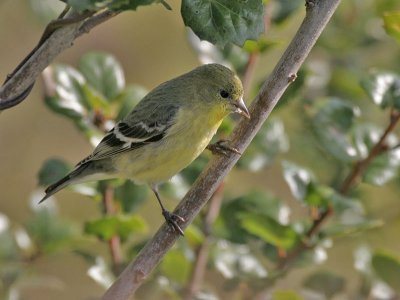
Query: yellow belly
[(159, 161)]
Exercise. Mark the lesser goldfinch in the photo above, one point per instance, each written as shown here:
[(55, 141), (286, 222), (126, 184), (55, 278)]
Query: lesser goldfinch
[(164, 133)]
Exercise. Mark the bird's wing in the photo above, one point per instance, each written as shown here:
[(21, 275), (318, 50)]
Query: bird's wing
[(126, 136)]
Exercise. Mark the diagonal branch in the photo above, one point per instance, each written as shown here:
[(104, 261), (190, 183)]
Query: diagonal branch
[(61, 35), (318, 14)]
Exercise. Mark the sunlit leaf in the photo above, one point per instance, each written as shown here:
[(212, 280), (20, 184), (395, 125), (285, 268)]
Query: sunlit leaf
[(120, 225), (269, 230), (52, 170), (222, 21), (69, 98), (332, 119), (175, 266), (101, 273), (103, 73), (387, 267), (391, 23), (325, 283), (233, 261), (297, 178), (383, 88)]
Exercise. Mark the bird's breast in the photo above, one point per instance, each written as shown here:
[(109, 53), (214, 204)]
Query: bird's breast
[(184, 142)]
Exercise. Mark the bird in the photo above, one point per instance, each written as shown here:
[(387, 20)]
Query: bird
[(169, 128)]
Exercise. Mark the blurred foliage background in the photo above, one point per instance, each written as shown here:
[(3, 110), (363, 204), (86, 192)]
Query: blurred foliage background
[(252, 240)]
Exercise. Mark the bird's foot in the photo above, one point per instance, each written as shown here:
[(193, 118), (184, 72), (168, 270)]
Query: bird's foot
[(172, 220), (222, 147)]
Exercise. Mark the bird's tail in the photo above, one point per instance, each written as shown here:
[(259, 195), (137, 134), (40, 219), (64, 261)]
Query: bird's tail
[(74, 177)]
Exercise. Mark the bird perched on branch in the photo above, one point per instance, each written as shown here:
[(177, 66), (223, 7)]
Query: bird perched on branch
[(164, 133)]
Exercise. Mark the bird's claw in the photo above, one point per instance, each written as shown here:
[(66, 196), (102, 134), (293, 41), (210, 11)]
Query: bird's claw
[(222, 147), (172, 221)]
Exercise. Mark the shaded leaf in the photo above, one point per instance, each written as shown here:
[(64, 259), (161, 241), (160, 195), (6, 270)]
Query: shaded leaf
[(391, 23), (387, 267), (383, 88), (228, 224), (103, 73), (222, 21), (49, 231), (52, 170), (325, 283), (120, 225), (269, 230), (332, 120), (130, 196), (95, 5)]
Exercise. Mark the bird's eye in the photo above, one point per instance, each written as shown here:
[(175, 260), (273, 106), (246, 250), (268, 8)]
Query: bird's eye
[(224, 94)]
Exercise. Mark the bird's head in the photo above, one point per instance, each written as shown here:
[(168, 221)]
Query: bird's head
[(219, 85)]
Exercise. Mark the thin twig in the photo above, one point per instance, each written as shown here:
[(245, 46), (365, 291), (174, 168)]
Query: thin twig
[(114, 243), (351, 180), (315, 21), (202, 251)]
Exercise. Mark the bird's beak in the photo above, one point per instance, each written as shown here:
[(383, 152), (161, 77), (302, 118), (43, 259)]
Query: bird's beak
[(241, 108)]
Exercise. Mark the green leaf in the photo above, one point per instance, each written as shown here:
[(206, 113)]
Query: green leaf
[(286, 295), (228, 224), (318, 195), (297, 178), (95, 5), (383, 88), (224, 21), (131, 196), (121, 225), (332, 120), (269, 230), (175, 266), (103, 73), (52, 170), (134, 4), (258, 46), (391, 23), (325, 283), (49, 231), (387, 267), (69, 98)]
